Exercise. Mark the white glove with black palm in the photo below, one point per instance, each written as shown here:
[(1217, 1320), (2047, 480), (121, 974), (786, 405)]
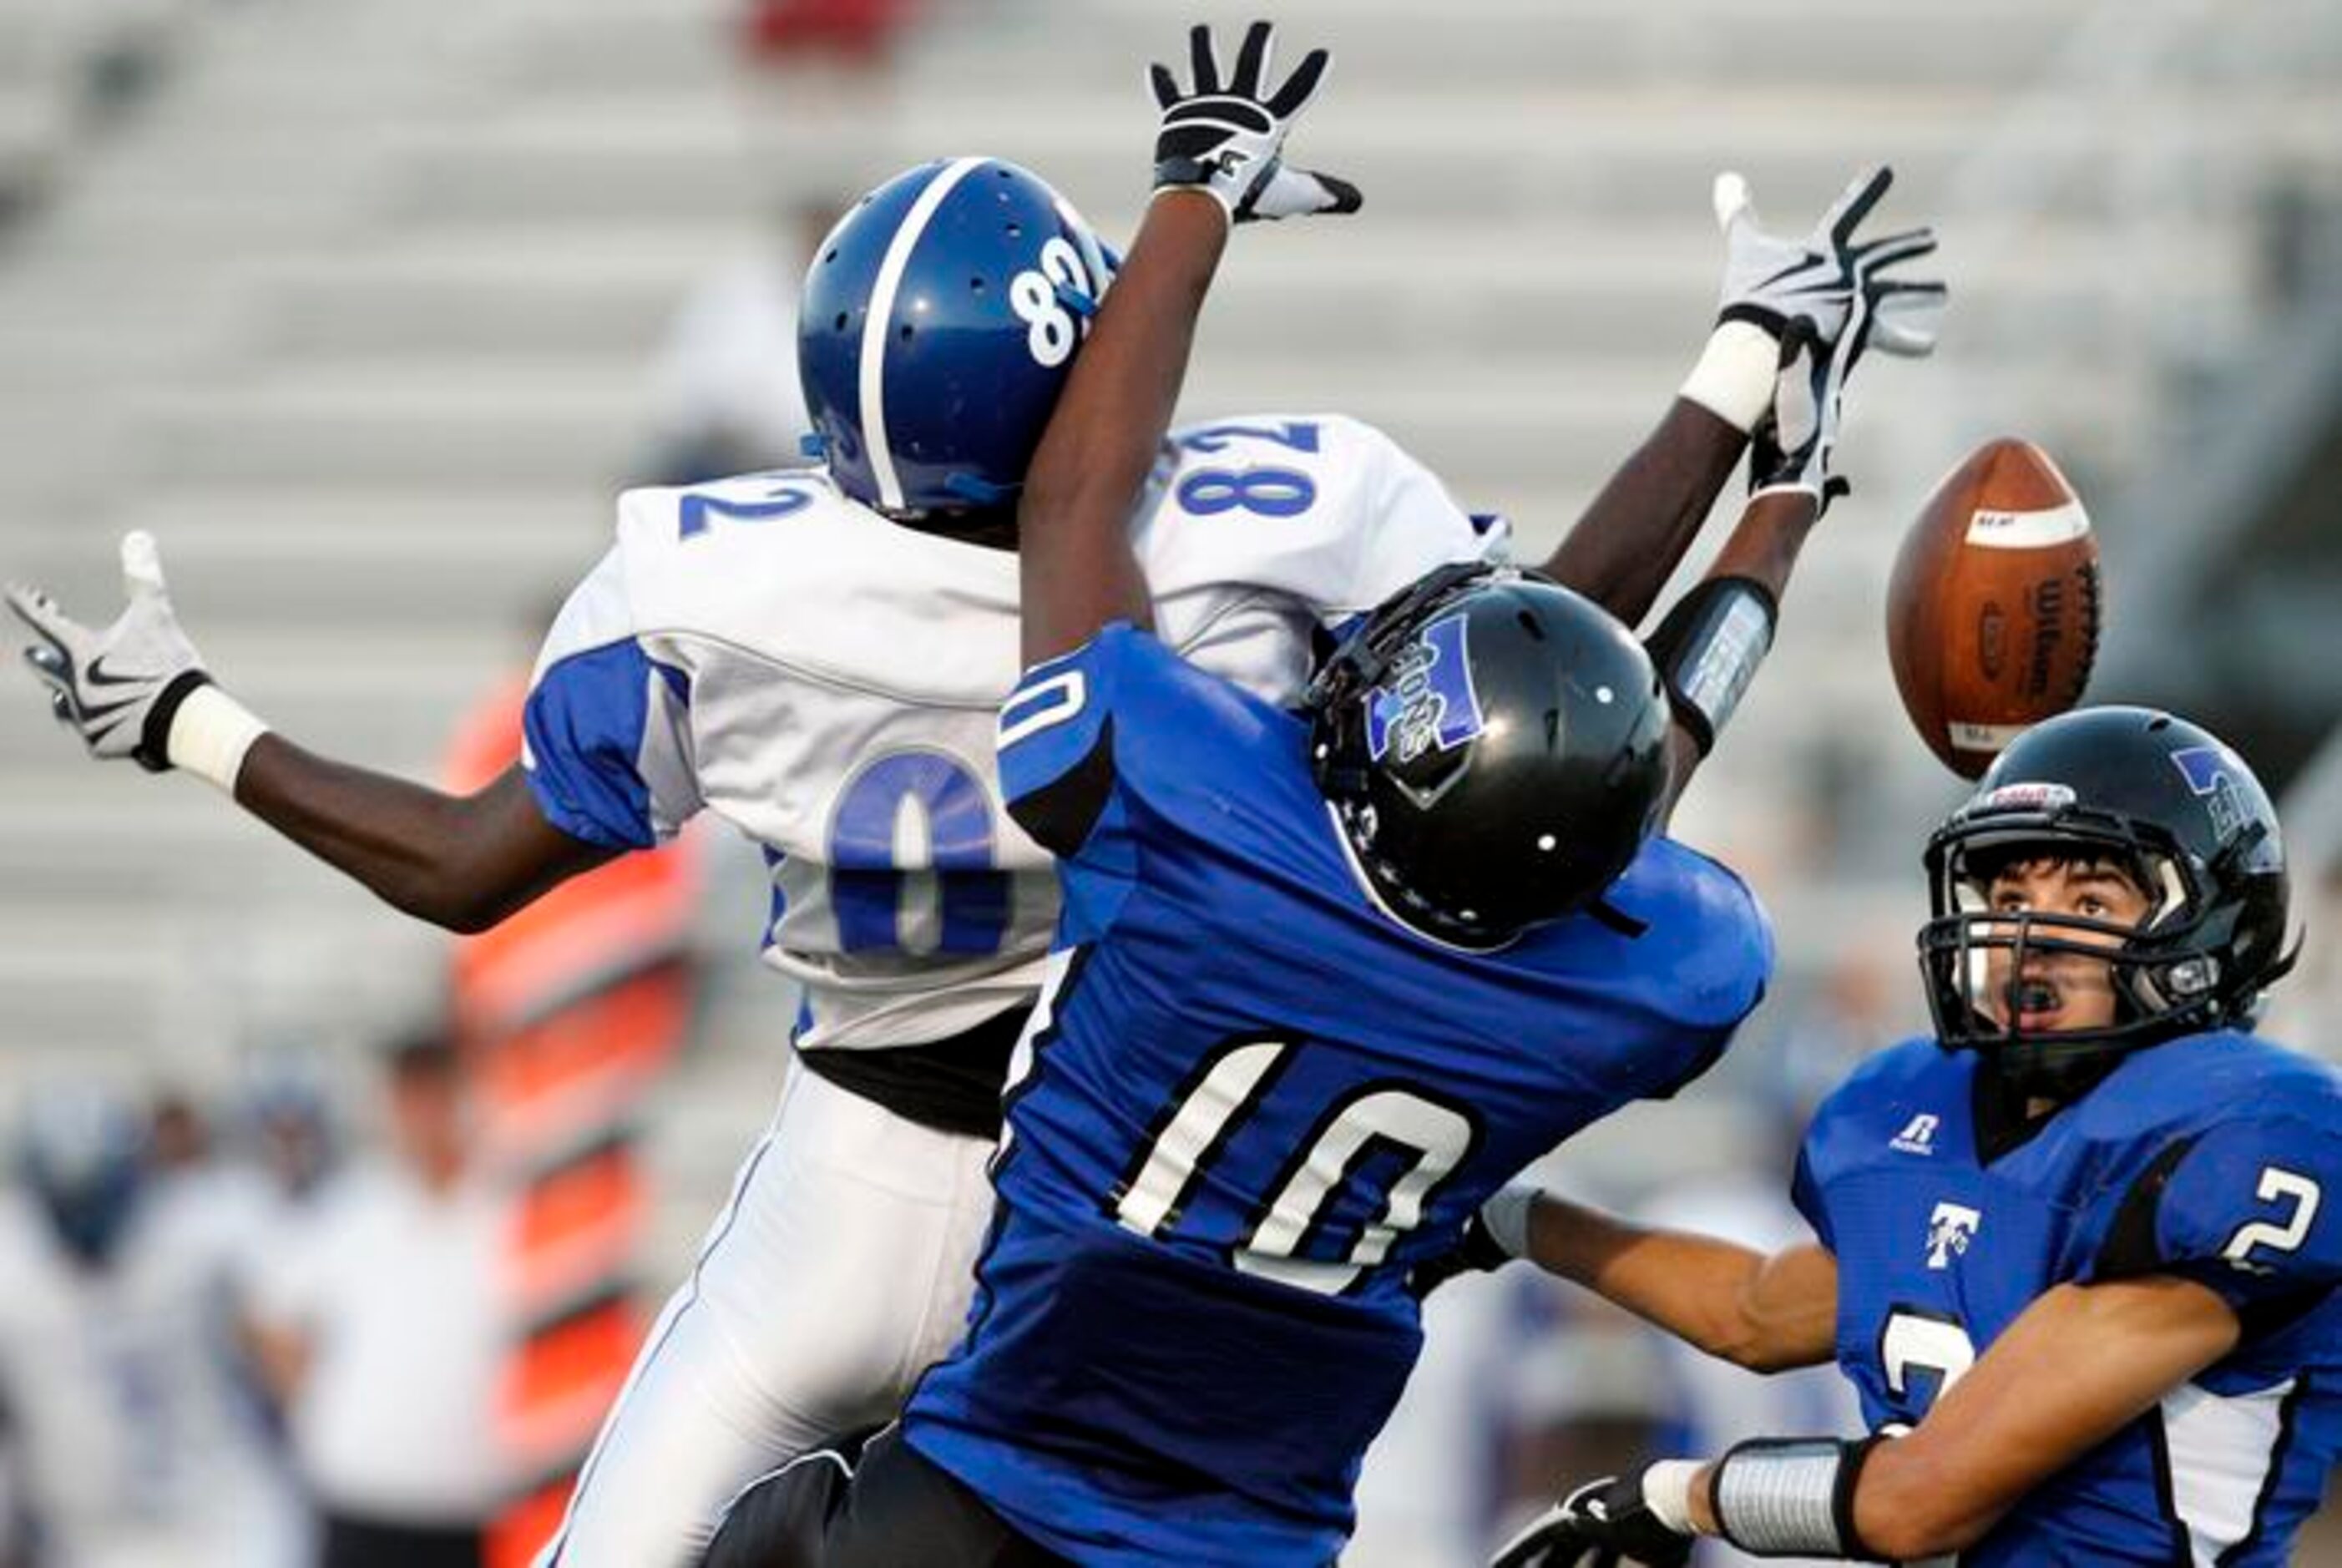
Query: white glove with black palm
[(1771, 283), (1604, 1524), (1792, 447), (1228, 139), (127, 688)]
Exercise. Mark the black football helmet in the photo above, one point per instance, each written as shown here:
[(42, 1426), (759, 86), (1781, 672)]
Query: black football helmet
[(1495, 747), (2186, 820)]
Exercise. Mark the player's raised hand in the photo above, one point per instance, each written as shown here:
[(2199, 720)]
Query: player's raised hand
[(121, 686), (1792, 447), (1604, 1524), (1227, 135), (1770, 281)]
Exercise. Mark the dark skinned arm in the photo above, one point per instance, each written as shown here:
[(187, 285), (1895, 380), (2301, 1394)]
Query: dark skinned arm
[(1763, 547), (1638, 530), (1077, 569), (1621, 552), (462, 862), (1126, 380)]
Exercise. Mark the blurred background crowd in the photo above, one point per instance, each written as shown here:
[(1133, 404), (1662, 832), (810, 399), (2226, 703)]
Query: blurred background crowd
[(320, 1225)]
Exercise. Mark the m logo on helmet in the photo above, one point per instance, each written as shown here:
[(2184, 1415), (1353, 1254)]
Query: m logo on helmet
[(1429, 702)]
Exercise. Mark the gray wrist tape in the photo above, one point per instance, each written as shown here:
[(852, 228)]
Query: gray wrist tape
[(1708, 650), (1791, 1497)]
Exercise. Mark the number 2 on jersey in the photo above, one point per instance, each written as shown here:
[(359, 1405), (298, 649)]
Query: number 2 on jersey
[(694, 511), (1924, 1353), (2276, 1182)]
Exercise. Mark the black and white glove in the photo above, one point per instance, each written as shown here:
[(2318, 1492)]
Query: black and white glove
[(128, 690), (1604, 1524), (1494, 1236), (1229, 139), (1770, 283), (1791, 448)]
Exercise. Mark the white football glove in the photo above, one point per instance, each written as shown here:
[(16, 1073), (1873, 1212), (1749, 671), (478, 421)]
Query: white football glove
[(119, 687), (1792, 447), (1771, 282), (1228, 139), (137, 689)]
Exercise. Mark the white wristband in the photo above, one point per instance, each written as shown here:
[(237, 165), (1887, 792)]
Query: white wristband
[(1735, 377), (1666, 1492), (1505, 1217), (210, 733)]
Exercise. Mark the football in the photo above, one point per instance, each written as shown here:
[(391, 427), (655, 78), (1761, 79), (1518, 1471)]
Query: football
[(1992, 614)]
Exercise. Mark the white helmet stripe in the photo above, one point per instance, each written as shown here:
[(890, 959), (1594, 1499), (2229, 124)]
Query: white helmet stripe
[(876, 325)]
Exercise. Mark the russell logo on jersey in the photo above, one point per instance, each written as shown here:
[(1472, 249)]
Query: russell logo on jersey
[(1918, 1138)]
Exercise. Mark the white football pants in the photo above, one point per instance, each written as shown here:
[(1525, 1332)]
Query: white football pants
[(841, 1267)]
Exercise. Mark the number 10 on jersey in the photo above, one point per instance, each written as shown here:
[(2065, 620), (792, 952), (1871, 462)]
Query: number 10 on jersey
[(1430, 1140)]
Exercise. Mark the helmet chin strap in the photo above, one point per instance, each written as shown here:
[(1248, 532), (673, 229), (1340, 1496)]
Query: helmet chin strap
[(981, 492)]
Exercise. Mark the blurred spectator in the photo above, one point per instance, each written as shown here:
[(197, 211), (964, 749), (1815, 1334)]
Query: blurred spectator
[(128, 1441), (1866, 1001), (1582, 1395), (1423, 1495), (723, 396), (284, 1121), (857, 33), (2307, 1013), (378, 1324), (219, 1217), (177, 1137)]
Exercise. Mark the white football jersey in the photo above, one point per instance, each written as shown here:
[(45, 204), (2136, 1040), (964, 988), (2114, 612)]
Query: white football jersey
[(768, 649), (134, 1444)]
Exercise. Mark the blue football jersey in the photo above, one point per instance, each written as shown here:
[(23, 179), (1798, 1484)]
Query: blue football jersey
[(2207, 1157), (1249, 1102)]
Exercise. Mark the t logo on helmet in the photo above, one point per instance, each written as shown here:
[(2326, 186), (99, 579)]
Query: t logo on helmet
[(1429, 701), (2207, 772)]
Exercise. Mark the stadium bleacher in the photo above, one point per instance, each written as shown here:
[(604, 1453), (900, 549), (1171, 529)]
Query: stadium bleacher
[(355, 313)]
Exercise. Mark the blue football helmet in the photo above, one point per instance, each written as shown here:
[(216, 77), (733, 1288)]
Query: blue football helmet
[(81, 1154), (938, 324)]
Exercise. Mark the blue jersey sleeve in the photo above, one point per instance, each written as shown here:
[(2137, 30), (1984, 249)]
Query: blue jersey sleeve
[(1805, 1193), (1056, 742), (607, 741), (1078, 729), (2241, 1207)]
